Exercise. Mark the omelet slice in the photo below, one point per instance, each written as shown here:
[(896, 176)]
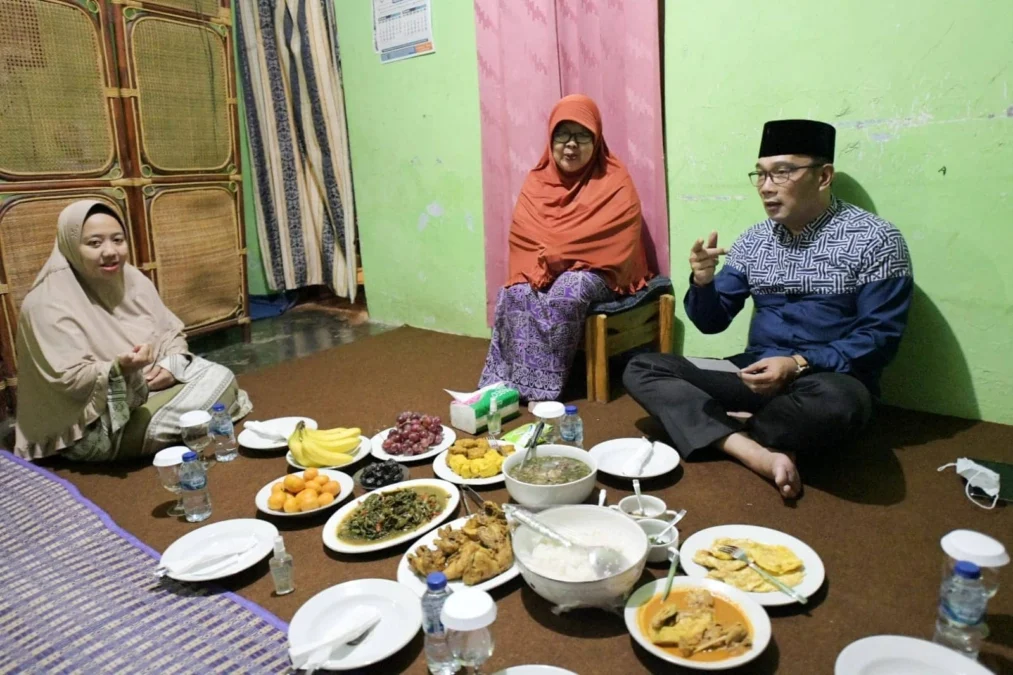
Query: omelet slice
[(707, 559), (748, 580), (775, 559)]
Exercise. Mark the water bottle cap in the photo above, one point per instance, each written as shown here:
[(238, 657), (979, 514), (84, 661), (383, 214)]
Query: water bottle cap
[(279, 545), (436, 581), (571, 410), (468, 609), (218, 407), (967, 570), (190, 457)]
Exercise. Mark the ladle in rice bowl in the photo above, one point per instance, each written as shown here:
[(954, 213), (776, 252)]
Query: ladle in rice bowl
[(560, 577)]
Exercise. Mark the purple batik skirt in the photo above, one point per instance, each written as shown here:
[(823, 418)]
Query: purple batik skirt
[(536, 334)]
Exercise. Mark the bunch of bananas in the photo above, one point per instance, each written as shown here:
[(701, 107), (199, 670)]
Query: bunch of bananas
[(323, 447)]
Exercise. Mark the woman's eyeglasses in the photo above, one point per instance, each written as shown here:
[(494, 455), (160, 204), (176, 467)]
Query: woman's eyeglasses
[(582, 137)]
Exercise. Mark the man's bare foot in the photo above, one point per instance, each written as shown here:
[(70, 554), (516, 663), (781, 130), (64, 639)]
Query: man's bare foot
[(784, 473), (777, 467)]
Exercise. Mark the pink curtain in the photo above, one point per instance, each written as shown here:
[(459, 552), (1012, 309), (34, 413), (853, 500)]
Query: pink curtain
[(531, 53)]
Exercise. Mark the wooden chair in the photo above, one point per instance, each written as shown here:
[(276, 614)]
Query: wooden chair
[(621, 325)]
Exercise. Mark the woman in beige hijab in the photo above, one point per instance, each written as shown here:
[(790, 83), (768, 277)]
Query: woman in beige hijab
[(104, 371)]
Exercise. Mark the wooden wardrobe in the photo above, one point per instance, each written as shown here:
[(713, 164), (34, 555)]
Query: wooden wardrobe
[(133, 103)]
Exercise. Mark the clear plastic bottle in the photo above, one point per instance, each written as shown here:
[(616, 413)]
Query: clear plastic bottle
[(281, 568), (494, 421), (226, 447), (439, 658), (962, 601), (571, 429), (193, 480)]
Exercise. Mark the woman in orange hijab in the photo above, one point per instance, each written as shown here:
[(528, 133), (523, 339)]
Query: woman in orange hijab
[(575, 240)]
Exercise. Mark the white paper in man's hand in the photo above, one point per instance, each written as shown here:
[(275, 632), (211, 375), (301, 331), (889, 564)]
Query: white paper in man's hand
[(720, 365)]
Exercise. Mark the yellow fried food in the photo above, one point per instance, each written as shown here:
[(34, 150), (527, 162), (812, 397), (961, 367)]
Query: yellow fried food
[(332, 488), (294, 483), (779, 561), (308, 493), (291, 504), (325, 498), (278, 487), (276, 501), (487, 465), (310, 474)]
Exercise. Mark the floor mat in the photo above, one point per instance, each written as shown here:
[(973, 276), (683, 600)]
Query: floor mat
[(79, 595)]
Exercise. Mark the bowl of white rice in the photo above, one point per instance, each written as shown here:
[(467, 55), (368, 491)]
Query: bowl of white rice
[(564, 576)]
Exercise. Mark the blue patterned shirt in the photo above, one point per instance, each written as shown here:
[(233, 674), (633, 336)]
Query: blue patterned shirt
[(838, 293)]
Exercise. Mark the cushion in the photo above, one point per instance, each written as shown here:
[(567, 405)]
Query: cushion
[(655, 288)]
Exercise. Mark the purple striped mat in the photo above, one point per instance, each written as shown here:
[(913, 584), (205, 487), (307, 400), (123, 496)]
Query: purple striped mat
[(77, 595)]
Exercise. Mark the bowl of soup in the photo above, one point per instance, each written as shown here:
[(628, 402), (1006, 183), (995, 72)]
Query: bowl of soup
[(557, 474)]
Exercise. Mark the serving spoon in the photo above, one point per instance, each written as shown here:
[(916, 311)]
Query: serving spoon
[(605, 560), (533, 443)]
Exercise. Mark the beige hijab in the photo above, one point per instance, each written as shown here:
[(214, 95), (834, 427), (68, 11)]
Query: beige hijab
[(69, 334)]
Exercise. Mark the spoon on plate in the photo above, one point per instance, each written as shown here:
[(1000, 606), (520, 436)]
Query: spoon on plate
[(605, 560)]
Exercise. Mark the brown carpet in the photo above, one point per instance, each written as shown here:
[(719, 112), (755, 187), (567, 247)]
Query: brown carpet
[(875, 514)]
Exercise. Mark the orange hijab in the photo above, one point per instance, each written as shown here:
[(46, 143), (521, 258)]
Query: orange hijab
[(588, 221)]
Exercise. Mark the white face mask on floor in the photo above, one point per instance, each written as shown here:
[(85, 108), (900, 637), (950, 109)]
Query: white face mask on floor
[(978, 477)]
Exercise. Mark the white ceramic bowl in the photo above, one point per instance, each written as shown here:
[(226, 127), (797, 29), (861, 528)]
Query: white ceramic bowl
[(653, 526), (623, 533), (574, 492)]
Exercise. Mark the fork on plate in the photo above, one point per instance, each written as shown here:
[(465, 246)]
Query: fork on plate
[(742, 556)]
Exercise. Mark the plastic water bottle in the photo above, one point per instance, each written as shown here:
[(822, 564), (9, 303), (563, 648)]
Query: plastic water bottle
[(962, 601), (439, 658), (193, 480), (571, 429), (494, 422), (226, 448)]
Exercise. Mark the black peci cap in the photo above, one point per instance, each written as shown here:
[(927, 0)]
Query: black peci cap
[(798, 137)]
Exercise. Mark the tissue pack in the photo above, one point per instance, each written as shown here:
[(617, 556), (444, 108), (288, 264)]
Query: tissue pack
[(470, 412)]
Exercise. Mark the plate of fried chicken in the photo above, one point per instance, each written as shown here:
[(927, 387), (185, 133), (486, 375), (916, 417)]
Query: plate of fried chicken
[(474, 552)]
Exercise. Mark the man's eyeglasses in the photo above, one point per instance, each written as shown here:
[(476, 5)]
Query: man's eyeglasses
[(582, 137), (778, 176)]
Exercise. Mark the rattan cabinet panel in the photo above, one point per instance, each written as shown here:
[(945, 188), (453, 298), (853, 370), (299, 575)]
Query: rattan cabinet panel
[(195, 232), (55, 117), (182, 95)]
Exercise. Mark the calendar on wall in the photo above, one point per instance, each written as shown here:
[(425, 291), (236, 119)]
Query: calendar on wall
[(402, 29)]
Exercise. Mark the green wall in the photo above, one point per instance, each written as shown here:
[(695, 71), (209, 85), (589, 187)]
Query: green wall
[(922, 103), (415, 140)]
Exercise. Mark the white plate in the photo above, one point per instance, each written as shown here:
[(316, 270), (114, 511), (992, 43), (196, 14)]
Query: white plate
[(814, 572), (400, 619), (443, 470), (612, 455), (203, 539), (534, 670), (344, 480), (406, 576), (898, 655), (283, 425), (361, 453), (330, 534), (756, 615), (448, 439)]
